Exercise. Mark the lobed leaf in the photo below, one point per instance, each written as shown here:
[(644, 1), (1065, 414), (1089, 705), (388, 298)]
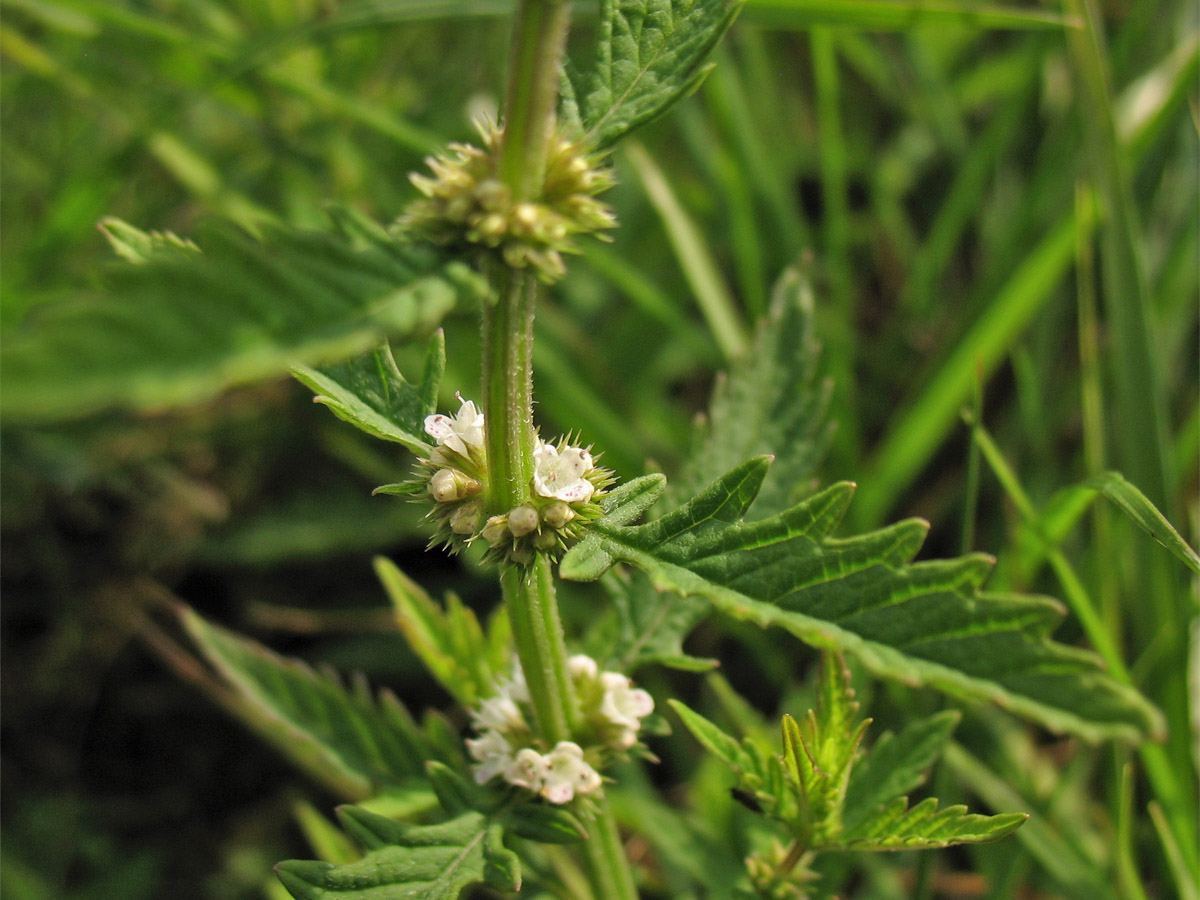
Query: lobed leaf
[(370, 393), (924, 623), (458, 653), (896, 764), (924, 827), (770, 403), (409, 862), (179, 327), (347, 739), (649, 55)]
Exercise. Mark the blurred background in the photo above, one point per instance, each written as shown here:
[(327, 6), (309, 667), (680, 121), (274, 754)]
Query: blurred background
[(998, 208)]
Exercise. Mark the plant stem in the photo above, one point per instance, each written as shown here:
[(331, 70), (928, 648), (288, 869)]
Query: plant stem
[(508, 387), (538, 634), (539, 38), (604, 857)]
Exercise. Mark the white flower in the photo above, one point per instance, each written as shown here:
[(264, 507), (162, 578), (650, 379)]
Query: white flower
[(566, 773), (499, 712), (492, 753), (559, 474), (582, 667), (527, 770), (623, 704), (459, 434)]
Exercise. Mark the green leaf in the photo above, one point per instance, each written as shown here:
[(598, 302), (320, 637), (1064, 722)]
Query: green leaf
[(820, 755), (180, 327), (924, 827), (137, 246), (924, 623), (1144, 514), (347, 739), (649, 55), (770, 403), (760, 774), (370, 393), (896, 764), (451, 643), (876, 15), (409, 862), (650, 625)]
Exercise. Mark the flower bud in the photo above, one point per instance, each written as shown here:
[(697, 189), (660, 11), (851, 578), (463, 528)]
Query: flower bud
[(558, 514), (496, 532), (546, 540), (465, 519), (448, 485), (522, 520)]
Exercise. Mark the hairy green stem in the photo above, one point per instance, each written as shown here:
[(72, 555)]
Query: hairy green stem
[(604, 857), (508, 387), (539, 39), (538, 635)]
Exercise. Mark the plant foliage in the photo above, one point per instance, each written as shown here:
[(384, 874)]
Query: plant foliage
[(921, 623), (177, 326)]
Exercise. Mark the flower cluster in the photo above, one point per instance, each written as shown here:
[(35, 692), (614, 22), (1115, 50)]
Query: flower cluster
[(564, 489), (611, 710), (457, 472), (465, 202), (566, 485)]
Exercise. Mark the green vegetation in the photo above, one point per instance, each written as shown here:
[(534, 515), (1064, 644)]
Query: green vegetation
[(902, 299)]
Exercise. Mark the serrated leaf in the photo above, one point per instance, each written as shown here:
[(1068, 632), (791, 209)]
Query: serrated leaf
[(759, 774), (349, 740), (650, 54), (650, 625), (546, 824), (467, 661), (409, 862), (137, 246), (770, 403), (181, 327), (370, 393), (895, 764), (924, 623), (925, 827)]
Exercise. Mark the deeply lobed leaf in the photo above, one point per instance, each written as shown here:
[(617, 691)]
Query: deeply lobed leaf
[(179, 327), (922, 623), (370, 393), (409, 862), (346, 739)]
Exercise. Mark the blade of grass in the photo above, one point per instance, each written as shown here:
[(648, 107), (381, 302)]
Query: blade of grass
[(1184, 883), (839, 324), (911, 441), (691, 250), (1127, 867), (892, 15), (722, 170), (738, 117), (1076, 875)]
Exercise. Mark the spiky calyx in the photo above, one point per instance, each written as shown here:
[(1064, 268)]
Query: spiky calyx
[(465, 203)]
